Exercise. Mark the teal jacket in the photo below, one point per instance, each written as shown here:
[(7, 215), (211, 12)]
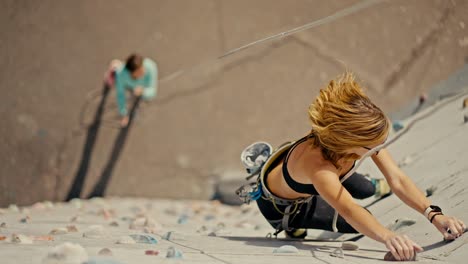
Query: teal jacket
[(124, 81)]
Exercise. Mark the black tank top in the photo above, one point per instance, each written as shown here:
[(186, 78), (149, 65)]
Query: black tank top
[(297, 186)]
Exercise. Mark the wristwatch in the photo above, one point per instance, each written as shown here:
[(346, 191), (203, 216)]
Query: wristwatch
[(432, 209)]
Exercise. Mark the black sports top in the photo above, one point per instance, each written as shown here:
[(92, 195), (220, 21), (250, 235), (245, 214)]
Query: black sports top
[(296, 186)]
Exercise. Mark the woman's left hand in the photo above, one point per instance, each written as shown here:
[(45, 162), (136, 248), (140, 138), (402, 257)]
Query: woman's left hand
[(450, 227)]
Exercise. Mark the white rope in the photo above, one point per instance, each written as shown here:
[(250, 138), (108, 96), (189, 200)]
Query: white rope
[(337, 15), (341, 13), (406, 128)]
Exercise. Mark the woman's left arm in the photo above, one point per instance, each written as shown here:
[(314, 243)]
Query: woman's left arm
[(406, 190)]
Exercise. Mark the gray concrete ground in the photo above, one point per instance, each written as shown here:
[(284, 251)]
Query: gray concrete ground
[(433, 153)]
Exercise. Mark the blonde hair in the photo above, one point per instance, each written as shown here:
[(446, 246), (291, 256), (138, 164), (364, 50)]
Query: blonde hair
[(343, 117)]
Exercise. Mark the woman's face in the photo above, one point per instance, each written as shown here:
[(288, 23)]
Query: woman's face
[(138, 73), (361, 151)]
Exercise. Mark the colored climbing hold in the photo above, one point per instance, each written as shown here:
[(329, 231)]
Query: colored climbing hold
[(105, 252), (173, 252), (114, 224), (397, 126), (25, 219), (349, 245), (75, 218), (431, 190), (389, 257), (58, 231), (144, 239), (43, 238), (422, 98), (152, 252), (183, 219), (167, 236)]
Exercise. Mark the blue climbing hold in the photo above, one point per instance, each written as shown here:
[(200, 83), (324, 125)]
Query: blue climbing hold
[(397, 126), (183, 219), (144, 239)]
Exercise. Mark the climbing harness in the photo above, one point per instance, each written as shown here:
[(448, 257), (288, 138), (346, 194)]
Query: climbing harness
[(257, 190)]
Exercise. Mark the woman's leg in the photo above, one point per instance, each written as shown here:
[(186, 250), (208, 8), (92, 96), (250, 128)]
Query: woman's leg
[(320, 216), (270, 213), (359, 186)]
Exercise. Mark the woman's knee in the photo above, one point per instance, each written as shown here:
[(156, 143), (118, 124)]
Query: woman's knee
[(359, 186)]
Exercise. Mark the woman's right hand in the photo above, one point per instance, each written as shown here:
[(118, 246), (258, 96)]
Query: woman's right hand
[(402, 247)]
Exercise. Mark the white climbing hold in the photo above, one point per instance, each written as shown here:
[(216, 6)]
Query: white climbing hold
[(21, 239), (13, 208), (95, 231), (125, 240), (286, 249), (59, 231), (405, 161), (67, 253), (144, 222), (48, 204), (72, 228), (138, 223), (76, 203), (38, 206)]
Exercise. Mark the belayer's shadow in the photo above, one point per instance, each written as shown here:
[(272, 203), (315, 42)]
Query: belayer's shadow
[(91, 136), (90, 142), (119, 143)]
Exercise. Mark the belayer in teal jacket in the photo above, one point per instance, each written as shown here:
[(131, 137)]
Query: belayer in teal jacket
[(139, 75)]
